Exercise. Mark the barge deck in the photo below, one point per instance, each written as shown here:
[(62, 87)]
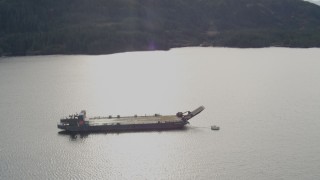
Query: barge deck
[(81, 123)]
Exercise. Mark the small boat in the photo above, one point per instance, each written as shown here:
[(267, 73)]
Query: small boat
[(215, 128)]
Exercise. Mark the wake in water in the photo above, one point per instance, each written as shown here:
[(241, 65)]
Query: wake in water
[(213, 127)]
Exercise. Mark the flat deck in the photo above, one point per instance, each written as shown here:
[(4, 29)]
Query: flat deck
[(97, 121)]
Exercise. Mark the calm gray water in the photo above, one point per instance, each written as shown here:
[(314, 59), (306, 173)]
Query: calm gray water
[(266, 102)]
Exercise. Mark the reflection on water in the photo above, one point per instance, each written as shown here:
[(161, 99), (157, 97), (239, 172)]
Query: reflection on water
[(73, 136), (266, 102)]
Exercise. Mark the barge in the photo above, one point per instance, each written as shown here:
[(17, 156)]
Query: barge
[(81, 123)]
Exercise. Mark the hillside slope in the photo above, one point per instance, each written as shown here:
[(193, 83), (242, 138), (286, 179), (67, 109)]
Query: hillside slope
[(108, 26)]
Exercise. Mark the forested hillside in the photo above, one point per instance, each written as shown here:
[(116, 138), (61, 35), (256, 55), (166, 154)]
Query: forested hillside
[(107, 26)]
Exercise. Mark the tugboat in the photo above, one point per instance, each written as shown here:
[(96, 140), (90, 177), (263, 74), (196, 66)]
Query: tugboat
[(81, 123)]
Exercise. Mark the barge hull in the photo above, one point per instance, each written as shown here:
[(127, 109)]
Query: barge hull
[(125, 127)]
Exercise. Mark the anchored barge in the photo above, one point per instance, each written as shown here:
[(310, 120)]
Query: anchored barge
[(81, 123)]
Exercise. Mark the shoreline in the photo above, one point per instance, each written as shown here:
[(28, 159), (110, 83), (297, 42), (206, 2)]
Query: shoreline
[(147, 50)]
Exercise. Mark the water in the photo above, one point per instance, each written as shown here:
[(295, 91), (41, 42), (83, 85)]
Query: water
[(266, 102)]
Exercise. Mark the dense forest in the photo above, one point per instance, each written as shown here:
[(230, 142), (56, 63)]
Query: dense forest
[(107, 26)]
